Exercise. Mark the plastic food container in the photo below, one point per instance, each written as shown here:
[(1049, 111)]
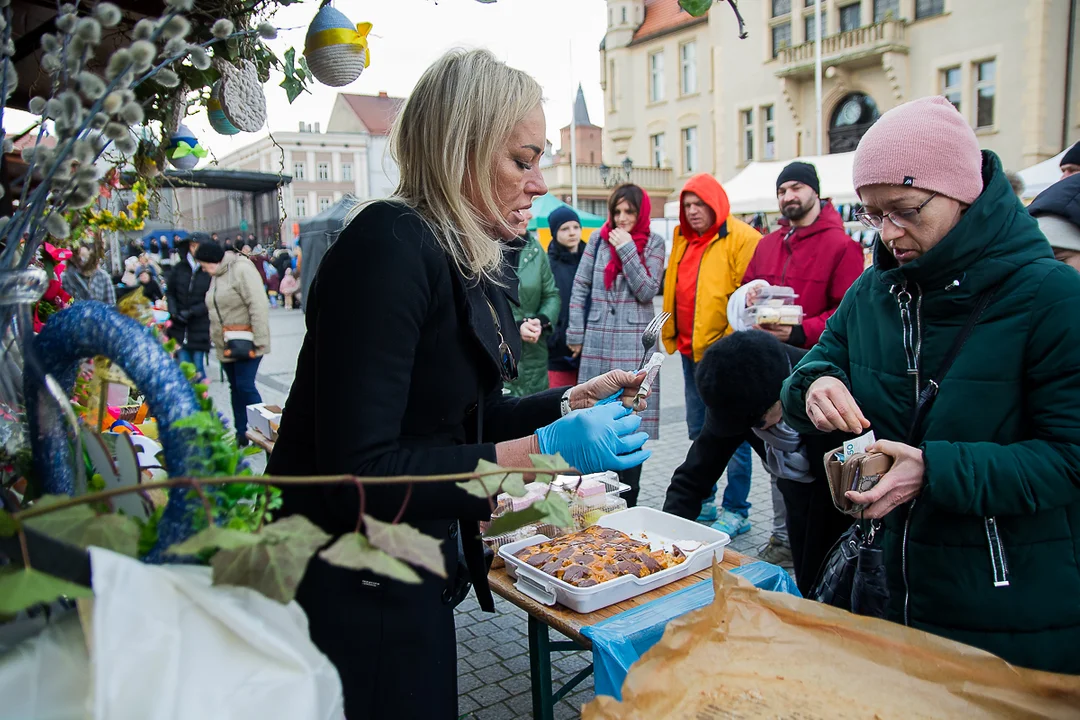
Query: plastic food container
[(773, 315), (776, 295), (636, 522)]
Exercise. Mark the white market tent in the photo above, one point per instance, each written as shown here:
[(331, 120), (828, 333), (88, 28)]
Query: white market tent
[(754, 188), (1041, 176)]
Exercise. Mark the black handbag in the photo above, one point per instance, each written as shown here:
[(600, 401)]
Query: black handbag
[(853, 575), (239, 339)]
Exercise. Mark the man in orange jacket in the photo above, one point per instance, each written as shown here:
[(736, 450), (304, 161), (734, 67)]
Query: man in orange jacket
[(709, 256)]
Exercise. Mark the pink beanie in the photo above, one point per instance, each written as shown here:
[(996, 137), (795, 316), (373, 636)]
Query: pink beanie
[(924, 143)]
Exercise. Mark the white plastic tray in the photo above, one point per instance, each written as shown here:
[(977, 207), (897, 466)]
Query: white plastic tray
[(656, 525)]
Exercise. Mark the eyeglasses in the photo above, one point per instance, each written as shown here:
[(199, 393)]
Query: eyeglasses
[(508, 363), (904, 219)]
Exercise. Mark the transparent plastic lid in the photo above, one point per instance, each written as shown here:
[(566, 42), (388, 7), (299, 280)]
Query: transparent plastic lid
[(776, 295)]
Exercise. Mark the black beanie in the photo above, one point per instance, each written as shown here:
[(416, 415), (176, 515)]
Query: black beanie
[(802, 172), (210, 252), (560, 216), (739, 378), (1071, 156)]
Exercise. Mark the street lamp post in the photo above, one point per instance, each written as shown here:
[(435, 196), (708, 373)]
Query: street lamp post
[(611, 176)]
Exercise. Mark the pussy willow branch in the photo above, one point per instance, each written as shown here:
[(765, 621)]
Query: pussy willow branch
[(64, 154), (274, 480)]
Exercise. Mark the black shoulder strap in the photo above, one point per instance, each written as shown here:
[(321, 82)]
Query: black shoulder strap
[(929, 393)]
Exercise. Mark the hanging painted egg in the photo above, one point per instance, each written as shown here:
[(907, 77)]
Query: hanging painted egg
[(184, 150), (336, 53), (217, 117)]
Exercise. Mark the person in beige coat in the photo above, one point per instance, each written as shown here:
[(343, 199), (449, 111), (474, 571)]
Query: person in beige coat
[(239, 325)]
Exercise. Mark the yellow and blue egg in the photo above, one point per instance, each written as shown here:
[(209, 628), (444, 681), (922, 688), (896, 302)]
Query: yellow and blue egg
[(336, 52)]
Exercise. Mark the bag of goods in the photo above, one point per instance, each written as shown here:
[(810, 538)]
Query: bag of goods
[(762, 654)]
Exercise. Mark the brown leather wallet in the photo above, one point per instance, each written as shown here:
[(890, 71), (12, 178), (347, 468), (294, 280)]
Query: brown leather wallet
[(860, 472)]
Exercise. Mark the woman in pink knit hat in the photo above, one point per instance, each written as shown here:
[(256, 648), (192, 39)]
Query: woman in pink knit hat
[(958, 348)]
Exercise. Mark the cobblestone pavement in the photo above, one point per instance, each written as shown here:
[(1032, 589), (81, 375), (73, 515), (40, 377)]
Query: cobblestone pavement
[(493, 648)]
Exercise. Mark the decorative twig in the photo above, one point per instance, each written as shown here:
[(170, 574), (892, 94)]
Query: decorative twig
[(266, 480), (404, 504), (363, 502), (197, 486), (22, 546)]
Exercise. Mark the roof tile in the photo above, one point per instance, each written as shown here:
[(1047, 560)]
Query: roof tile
[(377, 112), (662, 16)]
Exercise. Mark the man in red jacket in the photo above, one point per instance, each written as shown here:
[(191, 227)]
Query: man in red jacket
[(810, 252)]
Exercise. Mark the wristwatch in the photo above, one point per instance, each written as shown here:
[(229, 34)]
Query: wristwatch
[(564, 404)]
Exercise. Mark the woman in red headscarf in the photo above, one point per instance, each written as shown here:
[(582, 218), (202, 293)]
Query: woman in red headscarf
[(620, 273)]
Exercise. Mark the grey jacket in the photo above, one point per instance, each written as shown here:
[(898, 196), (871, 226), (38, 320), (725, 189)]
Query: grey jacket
[(237, 297)]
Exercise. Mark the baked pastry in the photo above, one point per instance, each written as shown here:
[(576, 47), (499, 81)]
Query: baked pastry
[(597, 554)]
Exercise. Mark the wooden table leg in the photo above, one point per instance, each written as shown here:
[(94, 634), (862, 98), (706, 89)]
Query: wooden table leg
[(540, 670)]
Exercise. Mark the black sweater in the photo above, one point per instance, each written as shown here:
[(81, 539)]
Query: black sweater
[(564, 265)]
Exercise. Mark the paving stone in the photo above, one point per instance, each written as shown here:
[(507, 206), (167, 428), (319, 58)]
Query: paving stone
[(521, 705), (499, 711), (517, 664), (492, 674), (482, 659), (468, 682), (517, 684), (507, 650), (480, 643), (488, 695), (566, 711), (466, 705), (573, 663)]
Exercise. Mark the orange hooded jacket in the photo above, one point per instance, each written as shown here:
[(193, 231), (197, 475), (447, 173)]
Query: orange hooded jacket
[(729, 246)]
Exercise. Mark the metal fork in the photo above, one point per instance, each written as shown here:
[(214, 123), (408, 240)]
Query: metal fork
[(651, 334)]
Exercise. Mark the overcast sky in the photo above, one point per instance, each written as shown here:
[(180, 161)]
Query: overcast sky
[(408, 35)]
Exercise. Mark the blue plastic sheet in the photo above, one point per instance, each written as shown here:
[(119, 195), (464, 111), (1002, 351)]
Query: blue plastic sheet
[(619, 641)]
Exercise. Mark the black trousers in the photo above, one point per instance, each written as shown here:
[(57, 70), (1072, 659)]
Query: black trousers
[(394, 645), (814, 525), (631, 477)]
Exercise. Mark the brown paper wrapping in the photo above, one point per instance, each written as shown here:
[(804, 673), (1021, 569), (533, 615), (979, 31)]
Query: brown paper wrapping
[(759, 654)]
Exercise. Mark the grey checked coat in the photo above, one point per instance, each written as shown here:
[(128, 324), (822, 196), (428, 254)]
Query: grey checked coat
[(611, 335)]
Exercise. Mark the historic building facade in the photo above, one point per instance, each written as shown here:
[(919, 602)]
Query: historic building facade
[(689, 95)]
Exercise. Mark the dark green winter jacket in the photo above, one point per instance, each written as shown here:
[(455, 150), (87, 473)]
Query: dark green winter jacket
[(991, 555), (538, 297)]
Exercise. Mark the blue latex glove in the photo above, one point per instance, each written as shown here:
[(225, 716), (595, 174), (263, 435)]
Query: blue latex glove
[(603, 437)]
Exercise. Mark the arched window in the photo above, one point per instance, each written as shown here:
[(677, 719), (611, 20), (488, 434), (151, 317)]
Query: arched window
[(850, 120)]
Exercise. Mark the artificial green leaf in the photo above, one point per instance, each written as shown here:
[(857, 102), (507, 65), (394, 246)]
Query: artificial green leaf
[(697, 8), (510, 483), (406, 543), (515, 519), (276, 565), (556, 511), (306, 70), (214, 538), (112, 531), (21, 588), (353, 551), (81, 526), (290, 63), (293, 87), (8, 526), (483, 487), (549, 462)]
